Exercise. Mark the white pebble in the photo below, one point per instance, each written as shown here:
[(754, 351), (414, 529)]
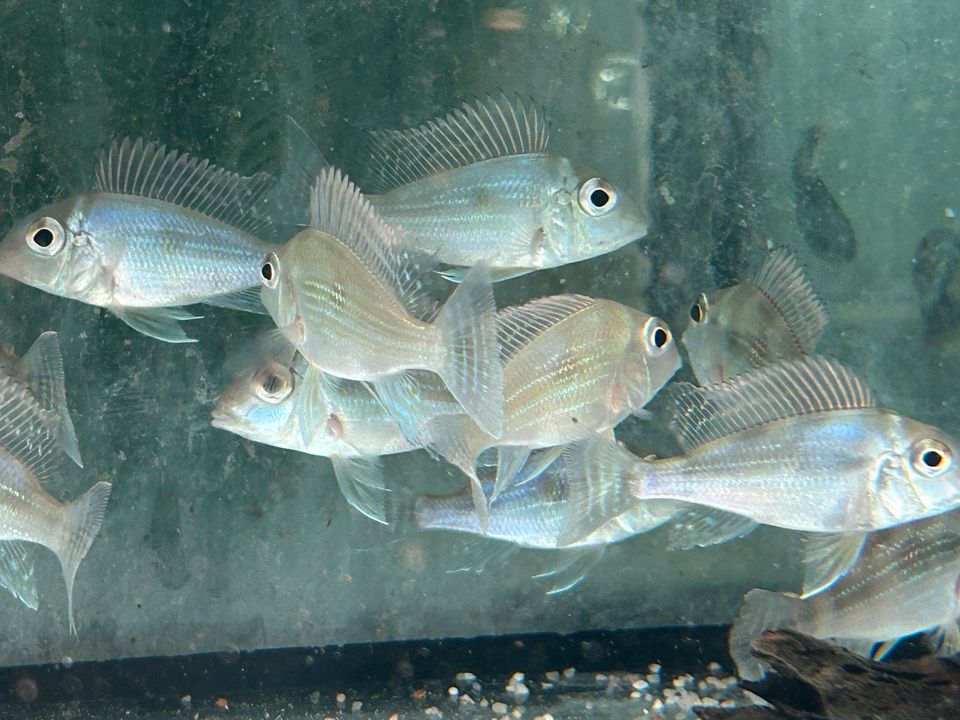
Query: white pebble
[(499, 708), (453, 692), (433, 712), (569, 673), (465, 678), (553, 676), (356, 706)]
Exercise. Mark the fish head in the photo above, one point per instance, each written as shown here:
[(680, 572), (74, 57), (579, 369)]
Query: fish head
[(920, 475), (715, 348), (651, 359), (51, 250), (259, 404), (601, 217), (277, 289)]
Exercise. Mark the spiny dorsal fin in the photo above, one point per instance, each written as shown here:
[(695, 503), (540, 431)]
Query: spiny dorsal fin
[(27, 431), (41, 369), (149, 169), (782, 281), (517, 326), (338, 208), (785, 389), (486, 128)]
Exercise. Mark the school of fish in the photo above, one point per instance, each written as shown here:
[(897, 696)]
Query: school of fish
[(367, 361)]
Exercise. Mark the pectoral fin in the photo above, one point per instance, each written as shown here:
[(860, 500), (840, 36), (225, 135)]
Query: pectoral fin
[(827, 556), (361, 481), (159, 323)]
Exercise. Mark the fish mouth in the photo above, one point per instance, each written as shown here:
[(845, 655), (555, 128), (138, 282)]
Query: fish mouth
[(223, 419)]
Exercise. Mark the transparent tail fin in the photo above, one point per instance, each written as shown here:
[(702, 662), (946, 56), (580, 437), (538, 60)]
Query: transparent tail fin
[(762, 610), (84, 517), (472, 371)]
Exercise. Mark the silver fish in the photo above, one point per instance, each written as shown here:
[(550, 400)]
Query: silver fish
[(904, 582), (573, 366), (295, 406), (31, 436), (159, 230), (776, 315), (530, 515), (799, 445), (479, 186), (347, 299)]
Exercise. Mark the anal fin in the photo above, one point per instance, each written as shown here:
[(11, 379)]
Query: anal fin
[(704, 527)]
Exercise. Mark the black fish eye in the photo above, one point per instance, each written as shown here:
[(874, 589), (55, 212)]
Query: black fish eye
[(268, 271), (696, 313), (599, 197), (660, 337), (43, 237), (932, 459)]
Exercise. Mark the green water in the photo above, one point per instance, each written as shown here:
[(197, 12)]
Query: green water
[(696, 109)]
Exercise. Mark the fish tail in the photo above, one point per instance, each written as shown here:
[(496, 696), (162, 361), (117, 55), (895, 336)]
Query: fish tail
[(472, 370), (84, 516), (762, 610)]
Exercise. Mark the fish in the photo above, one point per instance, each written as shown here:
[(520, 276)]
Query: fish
[(348, 298), (292, 405), (159, 230), (31, 439), (904, 582), (573, 366), (937, 282), (823, 224), (799, 445), (480, 186), (776, 315), (530, 515)]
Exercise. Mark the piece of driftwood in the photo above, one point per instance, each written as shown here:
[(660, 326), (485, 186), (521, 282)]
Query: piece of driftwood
[(816, 680)]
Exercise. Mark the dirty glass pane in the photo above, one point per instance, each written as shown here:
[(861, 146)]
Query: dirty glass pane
[(701, 111)]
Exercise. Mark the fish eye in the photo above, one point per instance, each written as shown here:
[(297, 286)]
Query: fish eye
[(45, 236), (698, 311), (273, 383), (269, 270), (931, 457), (657, 335), (597, 197)]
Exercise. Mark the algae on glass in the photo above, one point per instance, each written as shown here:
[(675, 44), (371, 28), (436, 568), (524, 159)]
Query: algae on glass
[(694, 111)]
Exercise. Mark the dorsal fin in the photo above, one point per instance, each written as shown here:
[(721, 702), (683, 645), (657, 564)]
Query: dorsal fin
[(518, 325), (785, 389), (149, 169), (338, 208), (782, 281), (41, 369), (486, 128), (27, 431)]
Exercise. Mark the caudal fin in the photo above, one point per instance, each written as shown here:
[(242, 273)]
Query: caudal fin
[(762, 610), (472, 371), (84, 516)]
